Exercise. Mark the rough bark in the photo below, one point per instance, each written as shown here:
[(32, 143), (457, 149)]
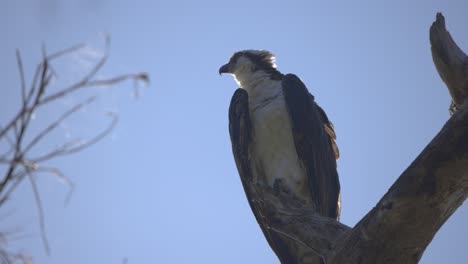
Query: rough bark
[(403, 223), (400, 227)]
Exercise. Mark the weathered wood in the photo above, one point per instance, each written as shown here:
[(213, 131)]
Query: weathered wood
[(400, 227), (297, 222), (451, 62)]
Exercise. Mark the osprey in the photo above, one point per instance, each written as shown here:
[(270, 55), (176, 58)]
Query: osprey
[(281, 136)]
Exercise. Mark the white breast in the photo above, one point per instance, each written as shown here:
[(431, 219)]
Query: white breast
[(274, 152)]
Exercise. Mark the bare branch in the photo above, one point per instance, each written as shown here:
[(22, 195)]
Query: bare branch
[(136, 77), (11, 170), (70, 148), (57, 122), (64, 52), (32, 88), (403, 223), (61, 177), (97, 67), (17, 178), (83, 81), (10, 150), (18, 155), (40, 210), (23, 82), (19, 164), (450, 61), (87, 83), (10, 125)]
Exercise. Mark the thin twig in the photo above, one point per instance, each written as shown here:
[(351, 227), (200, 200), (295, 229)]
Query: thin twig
[(26, 110), (22, 80), (109, 82), (57, 173), (40, 210), (15, 127), (17, 159), (10, 150), (97, 138), (96, 68), (66, 150), (66, 51), (88, 84), (18, 154), (11, 124), (32, 88), (20, 165), (18, 177), (44, 81), (80, 83), (57, 122)]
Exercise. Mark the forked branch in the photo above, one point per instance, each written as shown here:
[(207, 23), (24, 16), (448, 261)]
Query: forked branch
[(403, 223)]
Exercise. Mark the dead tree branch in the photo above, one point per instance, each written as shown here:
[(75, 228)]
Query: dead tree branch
[(451, 62), (403, 223), (18, 161), (400, 227)]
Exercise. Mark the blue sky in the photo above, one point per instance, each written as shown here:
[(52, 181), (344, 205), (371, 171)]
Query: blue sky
[(163, 188)]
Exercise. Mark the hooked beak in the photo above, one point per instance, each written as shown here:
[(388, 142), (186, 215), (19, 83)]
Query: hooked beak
[(226, 68)]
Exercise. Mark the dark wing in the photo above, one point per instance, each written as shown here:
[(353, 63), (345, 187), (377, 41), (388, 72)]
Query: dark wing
[(241, 138), (314, 139), (330, 129)]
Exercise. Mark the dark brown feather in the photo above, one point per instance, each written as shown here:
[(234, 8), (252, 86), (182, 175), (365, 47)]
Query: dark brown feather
[(314, 139), (330, 129)]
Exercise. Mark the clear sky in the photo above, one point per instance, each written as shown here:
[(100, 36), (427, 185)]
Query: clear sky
[(163, 188)]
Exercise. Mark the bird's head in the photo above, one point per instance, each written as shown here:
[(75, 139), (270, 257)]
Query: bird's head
[(247, 64)]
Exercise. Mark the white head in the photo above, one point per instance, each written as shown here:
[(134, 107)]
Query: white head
[(248, 65)]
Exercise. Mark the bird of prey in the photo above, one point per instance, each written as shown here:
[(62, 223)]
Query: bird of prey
[(281, 136)]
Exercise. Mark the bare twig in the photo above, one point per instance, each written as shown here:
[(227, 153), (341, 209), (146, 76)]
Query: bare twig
[(57, 122), (138, 77), (64, 52), (84, 83), (10, 150), (70, 148), (23, 82), (40, 211), (61, 176), (16, 180), (20, 165)]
